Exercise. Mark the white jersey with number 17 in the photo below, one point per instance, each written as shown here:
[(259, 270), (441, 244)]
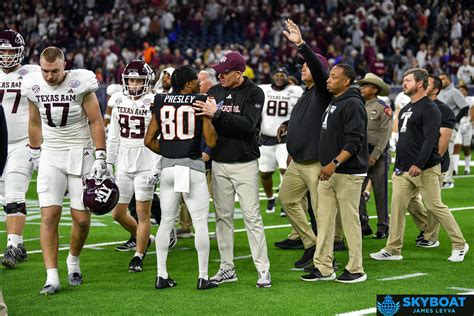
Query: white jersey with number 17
[(64, 121), (277, 107)]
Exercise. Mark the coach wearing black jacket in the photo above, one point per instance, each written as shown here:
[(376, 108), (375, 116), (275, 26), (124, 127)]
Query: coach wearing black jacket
[(302, 142), (236, 116), (344, 156)]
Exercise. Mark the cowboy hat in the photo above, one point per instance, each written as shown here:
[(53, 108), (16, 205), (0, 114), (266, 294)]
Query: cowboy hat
[(375, 80)]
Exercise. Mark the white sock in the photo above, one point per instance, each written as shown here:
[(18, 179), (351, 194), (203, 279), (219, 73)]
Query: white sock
[(52, 277), (455, 163), (73, 264), (138, 254), (467, 162), (152, 238), (14, 240)]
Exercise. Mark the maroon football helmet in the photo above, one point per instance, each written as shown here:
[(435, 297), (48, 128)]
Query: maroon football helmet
[(137, 69), (11, 41), (100, 195)]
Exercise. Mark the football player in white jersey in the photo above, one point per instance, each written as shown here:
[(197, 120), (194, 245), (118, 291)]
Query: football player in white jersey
[(64, 123), (400, 101), (132, 160), (111, 89), (464, 136), (17, 174), (280, 97)]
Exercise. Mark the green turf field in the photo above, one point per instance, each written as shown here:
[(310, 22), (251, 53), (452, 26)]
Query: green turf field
[(109, 289)]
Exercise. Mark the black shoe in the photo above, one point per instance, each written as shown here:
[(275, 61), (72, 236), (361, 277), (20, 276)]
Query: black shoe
[(282, 213), (75, 278), (22, 255), (10, 257), (367, 231), (204, 284), (339, 246), (161, 283), (129, 245), (315, 275), (306, 259), (380, 235), (271, 206), (347, 277), (420, 236), (135, 265), (290, 244)]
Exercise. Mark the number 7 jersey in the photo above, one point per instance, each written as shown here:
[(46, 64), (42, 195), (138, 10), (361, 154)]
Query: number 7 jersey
[(64, 121), (278, 106), (14, 105)]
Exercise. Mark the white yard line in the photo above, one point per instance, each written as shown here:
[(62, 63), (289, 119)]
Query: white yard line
[(460, 289), (402, 277), (366, 311), (236, 258)]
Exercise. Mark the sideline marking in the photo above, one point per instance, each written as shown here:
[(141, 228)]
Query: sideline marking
[(235, 258), (406, 276), (460, 289)]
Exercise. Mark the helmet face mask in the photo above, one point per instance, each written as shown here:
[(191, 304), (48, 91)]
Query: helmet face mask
[(100, 195), (137, 69), (12, 46)]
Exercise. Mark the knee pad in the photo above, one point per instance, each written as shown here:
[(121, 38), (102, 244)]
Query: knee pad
[(13, 208)]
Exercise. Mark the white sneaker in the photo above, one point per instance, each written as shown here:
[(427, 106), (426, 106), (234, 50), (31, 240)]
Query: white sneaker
[(50, 289), (384, 255), (264, 279), (447, 185), (458, 255), (224, 276)]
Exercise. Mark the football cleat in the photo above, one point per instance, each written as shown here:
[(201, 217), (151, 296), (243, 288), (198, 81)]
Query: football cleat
[(49, 289), (129, 245), (270, 206), (22, 254), (264, 279), (447, 185), (10, 257), (161, 283), (225, 276), (204, 284), (75, 279), (136, 265)]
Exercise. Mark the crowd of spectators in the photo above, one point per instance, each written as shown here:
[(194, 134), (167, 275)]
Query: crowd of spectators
[(384, 37)]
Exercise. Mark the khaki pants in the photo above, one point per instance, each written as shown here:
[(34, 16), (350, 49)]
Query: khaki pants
[(428, 184), (298, 179), (340, 191), (243, 179)]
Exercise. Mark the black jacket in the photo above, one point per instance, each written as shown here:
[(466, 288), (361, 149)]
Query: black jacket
[(237, 122), (304, 126), (344, 127)]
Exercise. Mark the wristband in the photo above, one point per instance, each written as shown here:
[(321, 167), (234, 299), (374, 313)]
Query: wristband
[(100, 154)]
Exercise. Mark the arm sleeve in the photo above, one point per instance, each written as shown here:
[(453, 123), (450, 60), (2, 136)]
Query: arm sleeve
[(113, 138), (234, 125), (318, 72), (354, 127), (459, 99), (431, 126)]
